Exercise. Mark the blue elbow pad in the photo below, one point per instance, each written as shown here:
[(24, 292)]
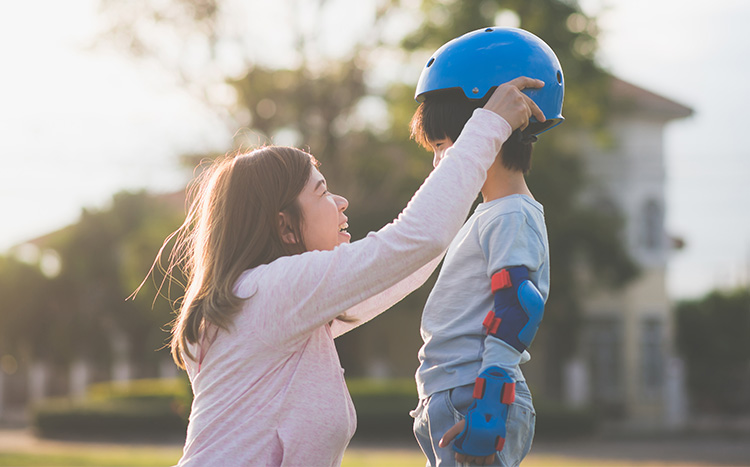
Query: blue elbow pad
[(484, 433), (519, 308)]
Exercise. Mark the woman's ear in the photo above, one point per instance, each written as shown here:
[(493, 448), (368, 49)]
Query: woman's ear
[(285, 229)]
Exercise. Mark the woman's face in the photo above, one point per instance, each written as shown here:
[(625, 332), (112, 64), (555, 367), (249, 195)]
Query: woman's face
[(323, 221)]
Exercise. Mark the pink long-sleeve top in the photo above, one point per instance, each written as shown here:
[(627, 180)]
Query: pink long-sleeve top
[(271, 391)]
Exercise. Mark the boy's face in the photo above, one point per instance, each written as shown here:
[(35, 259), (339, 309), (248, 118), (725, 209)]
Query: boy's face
[(438, 148)]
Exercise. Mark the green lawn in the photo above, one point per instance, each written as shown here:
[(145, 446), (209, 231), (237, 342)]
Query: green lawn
[(104, 457), (107, 456)]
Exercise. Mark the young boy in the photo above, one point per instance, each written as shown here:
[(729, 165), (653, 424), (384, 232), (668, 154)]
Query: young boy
[(472, 392)]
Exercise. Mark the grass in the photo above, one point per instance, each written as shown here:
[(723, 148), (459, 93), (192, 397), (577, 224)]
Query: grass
[(139, 456), (414, 458), (104, 457)]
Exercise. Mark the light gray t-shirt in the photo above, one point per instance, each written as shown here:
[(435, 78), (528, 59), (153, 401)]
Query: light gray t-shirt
[(505, 232)]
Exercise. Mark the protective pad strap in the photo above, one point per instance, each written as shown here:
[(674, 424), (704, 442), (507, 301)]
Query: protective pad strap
[(484, 432), (501, 280), (519, 308)]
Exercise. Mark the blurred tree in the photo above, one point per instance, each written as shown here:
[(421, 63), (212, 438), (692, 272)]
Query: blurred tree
[(75, 314), (23, 289), (352, 111), (712, 337)]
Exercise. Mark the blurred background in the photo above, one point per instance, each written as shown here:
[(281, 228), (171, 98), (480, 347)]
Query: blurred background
[(106, 107)]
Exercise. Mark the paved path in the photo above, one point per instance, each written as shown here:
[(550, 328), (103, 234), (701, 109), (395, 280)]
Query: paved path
[(673, 451), (694, 450), (24, 440)]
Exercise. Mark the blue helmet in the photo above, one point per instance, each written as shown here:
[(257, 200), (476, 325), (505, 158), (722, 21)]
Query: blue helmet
[(481, 60)]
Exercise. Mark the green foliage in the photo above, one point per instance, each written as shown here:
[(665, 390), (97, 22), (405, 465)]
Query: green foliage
[(23, 310), (143, 407), (160, 407), (558, 421), (383, 412), (104, 256), (383, 407), (175, 391), (712, 336), (107, 419)]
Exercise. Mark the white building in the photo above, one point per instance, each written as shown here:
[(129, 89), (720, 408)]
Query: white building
[(625, 363)]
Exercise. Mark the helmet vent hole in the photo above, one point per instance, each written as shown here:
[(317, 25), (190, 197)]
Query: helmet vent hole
[(488, 30), (559, 77), (432, 60)]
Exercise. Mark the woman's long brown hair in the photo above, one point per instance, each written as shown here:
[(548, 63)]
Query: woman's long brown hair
[(232, 225)]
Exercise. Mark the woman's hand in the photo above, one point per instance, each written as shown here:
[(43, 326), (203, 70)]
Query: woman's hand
[(454, 431), (514, 106)]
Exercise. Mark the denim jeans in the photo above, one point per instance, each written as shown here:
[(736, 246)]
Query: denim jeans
[(437, 413)]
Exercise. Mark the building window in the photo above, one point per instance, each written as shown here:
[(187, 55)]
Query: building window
[(652, 356), (652, 225), (604, 349)]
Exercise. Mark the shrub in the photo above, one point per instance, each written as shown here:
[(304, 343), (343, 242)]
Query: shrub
[(142, 408), (556, 420), (712, 337), (383, 412), (383, 407), (159, 407)]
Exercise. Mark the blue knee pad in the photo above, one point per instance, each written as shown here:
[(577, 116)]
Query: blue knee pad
[(484, 432), (519, 308)]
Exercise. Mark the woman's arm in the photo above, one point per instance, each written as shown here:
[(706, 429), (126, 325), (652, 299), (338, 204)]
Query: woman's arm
[(373, 306), (314, 288)]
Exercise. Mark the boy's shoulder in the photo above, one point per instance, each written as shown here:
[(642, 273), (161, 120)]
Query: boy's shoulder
[(510, 216), (518, 203)]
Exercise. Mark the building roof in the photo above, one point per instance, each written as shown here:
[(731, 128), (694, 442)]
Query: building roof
[(631, 98)]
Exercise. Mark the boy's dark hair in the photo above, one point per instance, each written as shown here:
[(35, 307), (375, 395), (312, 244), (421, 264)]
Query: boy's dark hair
[(444, 113)]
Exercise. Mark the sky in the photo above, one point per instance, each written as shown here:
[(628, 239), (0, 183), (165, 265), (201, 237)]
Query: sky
[(696, 54), (79, 124)]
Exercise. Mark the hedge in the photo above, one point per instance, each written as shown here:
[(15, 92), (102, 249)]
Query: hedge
[(161, 407), (383, 408), (149, 407)]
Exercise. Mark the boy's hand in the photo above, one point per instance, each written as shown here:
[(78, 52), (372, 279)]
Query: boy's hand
[(452, 433), (514, 106)]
